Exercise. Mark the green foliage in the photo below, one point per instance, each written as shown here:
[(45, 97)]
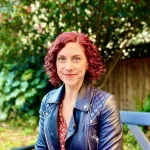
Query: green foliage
[(138, 103), (21, 91), (27, 28), (129, 140), (120, 29), (146, 107), (142, 105)]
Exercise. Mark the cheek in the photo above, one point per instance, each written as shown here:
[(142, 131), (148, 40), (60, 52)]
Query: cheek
[(85, 66), (58, 67), (58, 70)]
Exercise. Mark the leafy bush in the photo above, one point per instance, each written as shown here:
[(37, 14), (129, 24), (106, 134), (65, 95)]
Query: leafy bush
[(21, 91), (146, 107), (128, 138)]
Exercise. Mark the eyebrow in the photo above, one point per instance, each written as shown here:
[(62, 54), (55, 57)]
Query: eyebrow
[(76, 55), (71, 56)]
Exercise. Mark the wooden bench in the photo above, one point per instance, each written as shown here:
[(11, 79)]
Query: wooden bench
[(132, 119)]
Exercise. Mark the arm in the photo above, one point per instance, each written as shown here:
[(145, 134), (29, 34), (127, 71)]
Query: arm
[(110, 128), (41, 141)]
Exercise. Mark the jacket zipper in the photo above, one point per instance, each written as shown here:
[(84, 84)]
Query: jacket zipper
[(97, 140)]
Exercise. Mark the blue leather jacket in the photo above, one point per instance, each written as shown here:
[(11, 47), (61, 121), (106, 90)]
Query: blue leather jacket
[(95, 123)]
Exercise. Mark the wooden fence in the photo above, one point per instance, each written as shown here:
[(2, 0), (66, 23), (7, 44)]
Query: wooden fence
[(130, 82)]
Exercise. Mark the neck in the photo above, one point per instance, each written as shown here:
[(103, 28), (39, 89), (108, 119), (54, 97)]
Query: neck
[(71, 93)]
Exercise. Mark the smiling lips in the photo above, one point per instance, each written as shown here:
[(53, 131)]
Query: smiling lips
[(69, 75)]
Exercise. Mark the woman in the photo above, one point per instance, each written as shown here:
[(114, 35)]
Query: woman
[(77, 116)]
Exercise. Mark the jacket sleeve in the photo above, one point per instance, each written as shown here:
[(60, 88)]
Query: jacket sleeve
[(41, 141), (110, 127)]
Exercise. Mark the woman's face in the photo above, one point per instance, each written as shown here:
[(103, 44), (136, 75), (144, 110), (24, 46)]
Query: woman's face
[(71, 64)]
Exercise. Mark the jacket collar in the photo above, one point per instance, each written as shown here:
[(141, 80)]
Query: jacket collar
[(57, 95), (83, 99)]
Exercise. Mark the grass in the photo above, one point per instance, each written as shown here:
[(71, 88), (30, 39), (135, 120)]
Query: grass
[(12, 136)]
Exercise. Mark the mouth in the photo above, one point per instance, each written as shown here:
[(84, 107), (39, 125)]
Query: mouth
[(69, 75)]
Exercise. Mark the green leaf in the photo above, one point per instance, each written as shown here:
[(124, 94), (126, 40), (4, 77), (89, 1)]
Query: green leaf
[(13, 94), (42, 84), (30, 92), (27, 75), (16, 83), (24, 86), (2, 80), (63, 1), (6, 89), (35, 81), (147, 104), (20, 101), (3, 116)]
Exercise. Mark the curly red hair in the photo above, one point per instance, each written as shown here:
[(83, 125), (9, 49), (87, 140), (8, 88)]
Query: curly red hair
[(95, 65)]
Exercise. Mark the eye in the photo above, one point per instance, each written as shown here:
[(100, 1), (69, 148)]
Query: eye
[(61, 59), (76, 59)]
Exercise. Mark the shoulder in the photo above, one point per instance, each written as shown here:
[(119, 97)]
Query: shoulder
[(100, 102), (100, 95), (106, 101), (103, 99), (46, 99)]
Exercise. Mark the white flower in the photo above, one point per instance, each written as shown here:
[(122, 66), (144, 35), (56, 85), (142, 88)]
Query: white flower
[(35, 18), (24, 40), (43, 24)]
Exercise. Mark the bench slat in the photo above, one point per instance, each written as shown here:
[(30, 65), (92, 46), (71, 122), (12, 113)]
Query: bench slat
[(137, 118), (140, 137)]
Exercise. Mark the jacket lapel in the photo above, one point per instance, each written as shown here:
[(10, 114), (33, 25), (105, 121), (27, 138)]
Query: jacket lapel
[(82, 103), (84, 98), (51, 128), (51, 118), (71, 128)]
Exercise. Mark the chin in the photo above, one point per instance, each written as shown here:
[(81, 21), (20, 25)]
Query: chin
[(69, 83), (72, 83)]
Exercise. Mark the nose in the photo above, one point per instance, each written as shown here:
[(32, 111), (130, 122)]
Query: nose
[(68, 66)]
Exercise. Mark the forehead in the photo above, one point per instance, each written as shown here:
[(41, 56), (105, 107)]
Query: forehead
[(72, 48)]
